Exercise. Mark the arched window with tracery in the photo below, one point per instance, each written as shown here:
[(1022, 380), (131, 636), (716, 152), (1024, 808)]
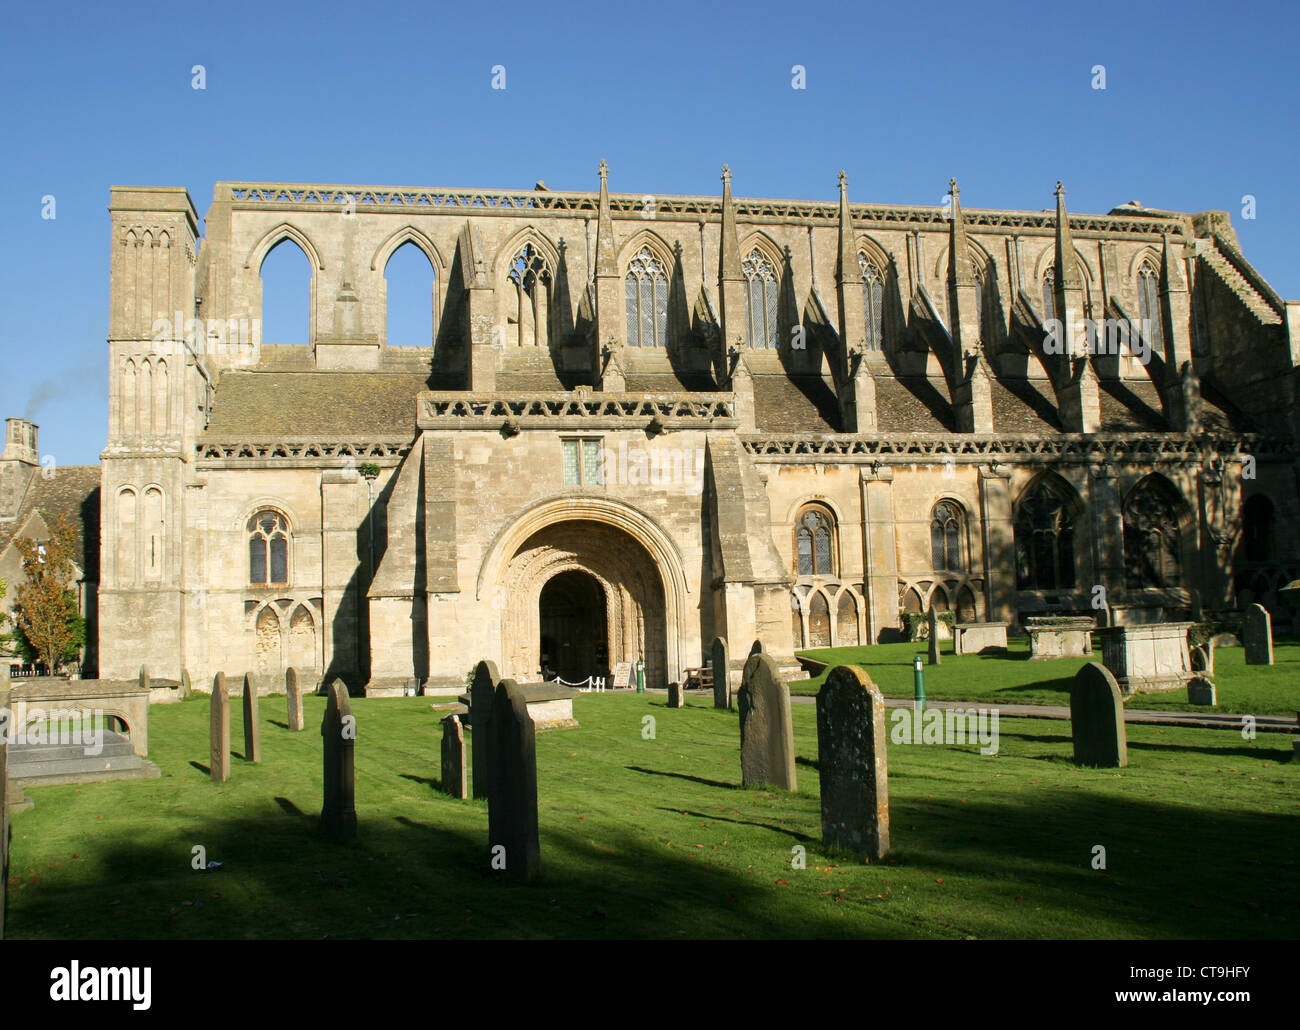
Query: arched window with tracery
[(760, 300), (873, 302), (647, 301), (531, 279), (948, 536), (1044, 532), (814, 542), (1148, 286), (268, 549), (1151, 532)]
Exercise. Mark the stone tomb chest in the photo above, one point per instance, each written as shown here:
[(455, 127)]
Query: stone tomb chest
[(550, 706), (978, 637), (1059, 636), (1147, 658)]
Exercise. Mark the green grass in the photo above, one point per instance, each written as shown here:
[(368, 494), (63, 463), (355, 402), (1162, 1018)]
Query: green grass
[(1014, 679), (654, 838)]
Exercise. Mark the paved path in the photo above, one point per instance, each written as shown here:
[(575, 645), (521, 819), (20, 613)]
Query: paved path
[(1145, 716)]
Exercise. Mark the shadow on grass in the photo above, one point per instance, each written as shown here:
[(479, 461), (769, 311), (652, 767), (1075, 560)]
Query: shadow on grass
[(435, 783), (683, 776), (783, 830)]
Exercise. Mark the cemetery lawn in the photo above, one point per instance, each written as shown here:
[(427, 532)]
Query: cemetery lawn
[(1012, 678), (655, 838)]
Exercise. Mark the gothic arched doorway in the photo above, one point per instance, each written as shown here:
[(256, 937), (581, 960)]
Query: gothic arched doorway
[(574, 638), (591, 586)]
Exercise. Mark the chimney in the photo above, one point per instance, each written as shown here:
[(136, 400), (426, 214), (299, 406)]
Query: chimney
[(20, 441)]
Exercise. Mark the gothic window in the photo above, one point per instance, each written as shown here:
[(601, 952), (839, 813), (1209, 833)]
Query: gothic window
[(1049, 294), (1151, 557), (410, 297), (1257, 528), (647, 301), (947, 536), (153, 533), (813, 544), (286, 294), (760, 300), (531, 280), (1044, 532), (268, 549), (581, 462), (1148, 284), (873, 297)]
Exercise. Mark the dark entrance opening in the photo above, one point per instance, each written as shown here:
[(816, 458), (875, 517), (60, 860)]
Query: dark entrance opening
[(575, 641)]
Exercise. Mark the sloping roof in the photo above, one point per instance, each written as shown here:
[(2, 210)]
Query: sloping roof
[(913, 404), (325, 404), (1131, 404), (73, 491), (795, 404)]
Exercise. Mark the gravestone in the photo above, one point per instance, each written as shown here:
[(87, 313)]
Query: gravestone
[(766, 732), (1097, 719), (721, 680), (1198, 609), (219, 727), (1203, 659), (1258, 636), (455, 777), (252, 723), (853, 763), (186, 688), (512, 806), (482, 695), (338, 730), (293, 698), (756, 649), (1201, 691), (932, 630)]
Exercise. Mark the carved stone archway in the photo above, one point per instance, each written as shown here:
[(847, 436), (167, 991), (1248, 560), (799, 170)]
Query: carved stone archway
[(624, 573), (629, 535)]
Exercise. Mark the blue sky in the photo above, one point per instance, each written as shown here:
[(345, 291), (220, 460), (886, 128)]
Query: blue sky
[(1200, 109)]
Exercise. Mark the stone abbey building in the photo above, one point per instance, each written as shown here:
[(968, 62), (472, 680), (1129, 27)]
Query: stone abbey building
[(642, 422)]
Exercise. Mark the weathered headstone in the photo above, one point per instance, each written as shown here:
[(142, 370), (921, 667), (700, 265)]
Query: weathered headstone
[(455, 777), (932, 630), (1097, 718), (853, 763), (512, 806), (252, 722), (1203, 659), (482, 696), (186, 688), (675, 697), (293, 696), (338, 730), (756, 649), (1198, 610), (766, 732), (1258, 636), (219, 725), (721, 682), (1201, 691)]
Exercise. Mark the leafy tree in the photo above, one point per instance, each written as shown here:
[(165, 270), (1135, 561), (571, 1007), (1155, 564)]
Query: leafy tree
[(50, 629)]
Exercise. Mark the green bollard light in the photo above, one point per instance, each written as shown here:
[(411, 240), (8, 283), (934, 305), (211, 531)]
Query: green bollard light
[(918, 672), (640, 676)]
